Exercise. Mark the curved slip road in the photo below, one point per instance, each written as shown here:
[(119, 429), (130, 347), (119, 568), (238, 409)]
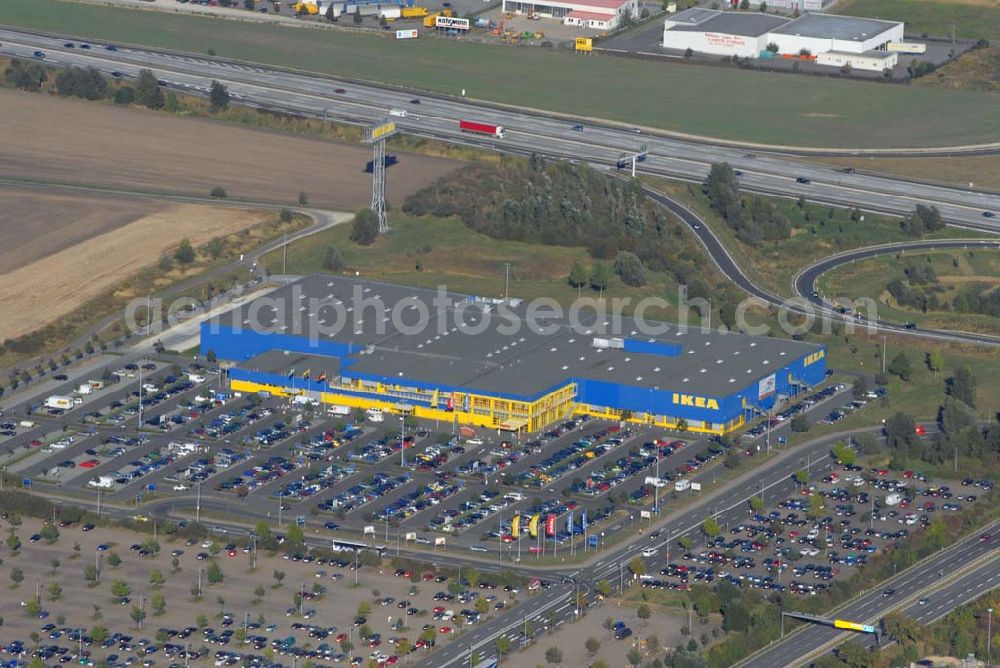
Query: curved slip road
[(806, 304)]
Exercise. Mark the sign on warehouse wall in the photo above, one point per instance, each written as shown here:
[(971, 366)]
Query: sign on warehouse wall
[(766, 386), (451, 22)]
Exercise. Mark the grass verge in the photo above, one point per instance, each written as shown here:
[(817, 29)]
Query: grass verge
[(979, 171), (428, 252)]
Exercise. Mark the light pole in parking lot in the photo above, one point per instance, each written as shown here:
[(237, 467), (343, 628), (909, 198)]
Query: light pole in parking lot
[(197, 507), (989, 634), (402, 441)]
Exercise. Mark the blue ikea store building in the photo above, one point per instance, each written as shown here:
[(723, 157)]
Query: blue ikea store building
[(507, 365)]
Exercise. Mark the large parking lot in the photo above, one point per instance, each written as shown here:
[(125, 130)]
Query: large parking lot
[(803, 543), (203, 448), (292, 608)]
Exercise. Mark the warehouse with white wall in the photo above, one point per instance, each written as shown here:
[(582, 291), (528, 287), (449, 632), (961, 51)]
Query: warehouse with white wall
[(860, 42), (597, 14), (720, 33)]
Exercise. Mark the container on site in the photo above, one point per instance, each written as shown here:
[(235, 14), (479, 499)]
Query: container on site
[(26, 424), (476, 127), (906, 47), (390, 13), (103, 482), (414, 12), (430, 19), (59, 401)]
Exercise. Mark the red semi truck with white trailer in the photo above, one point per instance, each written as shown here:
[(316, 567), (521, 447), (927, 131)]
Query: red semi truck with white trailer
[(481, 128)]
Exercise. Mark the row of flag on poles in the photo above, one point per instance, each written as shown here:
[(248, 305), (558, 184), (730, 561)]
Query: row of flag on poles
[(550, 524), (306, 375)]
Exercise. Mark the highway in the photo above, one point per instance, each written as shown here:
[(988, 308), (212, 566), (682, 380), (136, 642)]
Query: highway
[(948, 579), (527, 132)]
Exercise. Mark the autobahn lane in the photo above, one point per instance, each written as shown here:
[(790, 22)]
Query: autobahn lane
[(304, 93), (961, 591), (56, 41), (935, 574)]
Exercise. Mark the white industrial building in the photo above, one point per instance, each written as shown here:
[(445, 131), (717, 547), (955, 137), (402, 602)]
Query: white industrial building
[(788, 5), (861, 43), (720, 33), (595, 14), (876, 61)]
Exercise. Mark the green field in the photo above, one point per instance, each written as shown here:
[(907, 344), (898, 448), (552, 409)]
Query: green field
[(428, 252), (972, 19), (711, 101), (955, 270)]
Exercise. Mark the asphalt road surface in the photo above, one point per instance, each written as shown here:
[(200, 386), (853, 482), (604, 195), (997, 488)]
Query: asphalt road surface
[(802, 646), (526, 132), (804, 283)]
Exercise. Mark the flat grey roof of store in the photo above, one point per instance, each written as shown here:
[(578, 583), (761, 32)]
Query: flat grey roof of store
[(830, 26), (735, 23), (694, 15), (438, 350)]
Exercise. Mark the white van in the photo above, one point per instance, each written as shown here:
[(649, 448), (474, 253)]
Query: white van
[(399, 113), (375, 415)]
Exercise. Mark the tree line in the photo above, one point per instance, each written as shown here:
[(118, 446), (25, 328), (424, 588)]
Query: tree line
[(754, 220), (918, 288), (90, 84)]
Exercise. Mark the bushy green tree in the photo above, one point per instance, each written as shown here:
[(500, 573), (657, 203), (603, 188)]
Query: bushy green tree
[(629, 268), (26, 75), (185, 252), (147, 90), (364, 230), (333, 261), (218, 96), (900, 366), (87, 83)]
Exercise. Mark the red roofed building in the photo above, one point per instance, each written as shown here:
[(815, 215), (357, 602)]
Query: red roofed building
[(595, 14)]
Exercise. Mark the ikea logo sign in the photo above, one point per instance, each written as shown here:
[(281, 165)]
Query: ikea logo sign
[(695, 402), (815, 357)]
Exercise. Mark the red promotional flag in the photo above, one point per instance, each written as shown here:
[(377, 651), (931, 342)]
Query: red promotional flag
[(550, 525)]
